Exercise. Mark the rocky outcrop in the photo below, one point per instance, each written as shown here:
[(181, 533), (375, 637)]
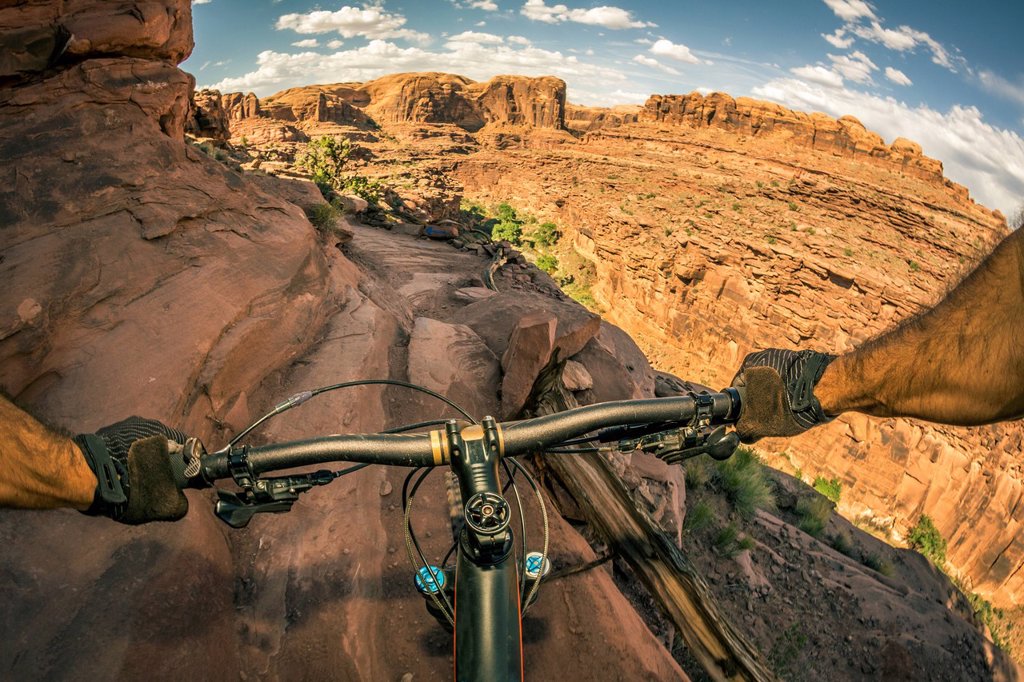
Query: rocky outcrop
[(140, 277), (844, 137), (422, 98), (587, 119), (207, 117)]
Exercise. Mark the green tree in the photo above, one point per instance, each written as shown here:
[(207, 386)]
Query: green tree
[(324, 159), (545, 234), (547, 263), (509, 231), (926, 539), (831, 488)]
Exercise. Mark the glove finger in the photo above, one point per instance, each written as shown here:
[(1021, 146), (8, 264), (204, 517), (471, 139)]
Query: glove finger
[(154, 495)]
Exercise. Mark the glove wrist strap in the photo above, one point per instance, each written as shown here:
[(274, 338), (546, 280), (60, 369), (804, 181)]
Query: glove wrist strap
[(110, 494)]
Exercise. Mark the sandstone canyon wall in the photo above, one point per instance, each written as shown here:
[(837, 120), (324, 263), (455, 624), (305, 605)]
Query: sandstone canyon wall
[(295, 114), (745, 226)]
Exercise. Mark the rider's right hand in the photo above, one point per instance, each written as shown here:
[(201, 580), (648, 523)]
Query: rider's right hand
[(779, 393)]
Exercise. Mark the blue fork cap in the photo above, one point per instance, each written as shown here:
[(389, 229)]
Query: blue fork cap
[(428, 584)]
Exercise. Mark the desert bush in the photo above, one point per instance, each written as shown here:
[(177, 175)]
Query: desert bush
[(876, 563), (742, 479), (324, 159), (324, 218), (507, 231), (926, 539), (841, 543), (545, 234), (368, 189), (698, 518), (813, 513), (547, 263), (831, 488)]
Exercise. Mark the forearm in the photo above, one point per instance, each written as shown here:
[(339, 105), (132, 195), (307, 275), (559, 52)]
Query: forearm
[(960, 363), (40, 469)]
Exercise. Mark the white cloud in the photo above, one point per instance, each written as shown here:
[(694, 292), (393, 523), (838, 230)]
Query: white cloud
[(856, 67), (370, 22), (897, 76), (475, 37), (654, 63), (608, 17), (201, 2), (335, 44), (486, 5), (820, 75), (480, 24), (837, 40), (309, 42), (902, 39), (666, 48), (997, 85), (520, 40), (276, 71), (850, 10), (988, 160), (597, 97)]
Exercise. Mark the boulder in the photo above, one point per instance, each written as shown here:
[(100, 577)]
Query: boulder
[(452, 360), (529, 349), (495, 318)]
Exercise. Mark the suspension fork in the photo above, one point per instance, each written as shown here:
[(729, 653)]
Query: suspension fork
[(488, 618)]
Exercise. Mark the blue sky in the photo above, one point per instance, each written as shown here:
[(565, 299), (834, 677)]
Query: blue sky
[(949, 75)]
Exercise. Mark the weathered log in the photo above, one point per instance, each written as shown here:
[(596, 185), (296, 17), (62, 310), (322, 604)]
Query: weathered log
[(632, 534)]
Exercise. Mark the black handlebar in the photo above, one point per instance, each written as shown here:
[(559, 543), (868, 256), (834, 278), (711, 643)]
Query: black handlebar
[(519, 437)]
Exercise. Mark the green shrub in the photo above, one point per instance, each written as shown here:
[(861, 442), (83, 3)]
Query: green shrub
[(368, 189), (323, 159), (736, 206), (547, 263), (813, 513), (742, 479), (324, 218), (876, 563), (926, 539), (698, 472), (545, 234), (507, 231), (698, 518), (847, 252), (831, 488), (914, 266), (792, 206), (841, 543)]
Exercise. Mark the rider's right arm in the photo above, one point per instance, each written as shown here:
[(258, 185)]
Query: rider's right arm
[(961, 362), (40, 469)]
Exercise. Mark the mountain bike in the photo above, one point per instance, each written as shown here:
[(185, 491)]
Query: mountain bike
[(482, 596)]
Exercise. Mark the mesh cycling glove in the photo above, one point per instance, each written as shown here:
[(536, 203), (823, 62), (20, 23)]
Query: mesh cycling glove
[(136, 478), (779, 386)]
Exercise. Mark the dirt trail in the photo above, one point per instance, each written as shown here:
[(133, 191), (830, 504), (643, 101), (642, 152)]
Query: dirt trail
[(299, 601)]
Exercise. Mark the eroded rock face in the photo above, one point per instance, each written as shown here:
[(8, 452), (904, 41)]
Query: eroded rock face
[(704, 256), (140, 277), (207, 117), (845, 136), (294, 114)]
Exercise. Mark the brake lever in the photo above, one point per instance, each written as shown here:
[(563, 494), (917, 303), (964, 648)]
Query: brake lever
[(266, 495), (678, 445)]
